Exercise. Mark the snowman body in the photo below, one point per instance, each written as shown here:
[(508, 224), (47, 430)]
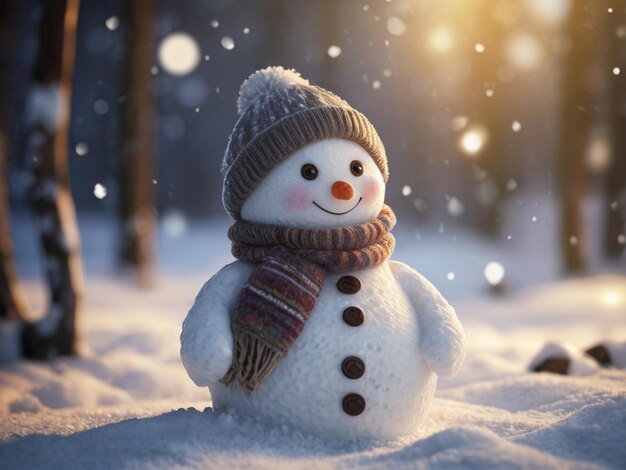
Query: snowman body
[(366, 361), (370, 356)]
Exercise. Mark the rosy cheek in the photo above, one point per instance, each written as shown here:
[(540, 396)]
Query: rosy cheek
[(372, 189), (297, 199)]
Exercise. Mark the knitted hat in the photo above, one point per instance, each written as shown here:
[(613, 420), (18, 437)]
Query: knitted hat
[(280, 113)]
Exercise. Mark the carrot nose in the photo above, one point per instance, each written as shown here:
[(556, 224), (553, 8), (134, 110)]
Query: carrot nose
[(342, 190)]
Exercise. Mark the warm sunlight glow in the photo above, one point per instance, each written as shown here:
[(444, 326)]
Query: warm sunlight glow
[(179, 54), (611, 298), (472, 141), (440, 39)]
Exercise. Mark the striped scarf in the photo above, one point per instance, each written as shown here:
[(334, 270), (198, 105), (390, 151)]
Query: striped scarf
[(280, 294)]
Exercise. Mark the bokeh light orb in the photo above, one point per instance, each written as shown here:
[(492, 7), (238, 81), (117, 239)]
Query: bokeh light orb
[(440, 39), (472, 141), (396, 26), (179, 54), (525, 52)]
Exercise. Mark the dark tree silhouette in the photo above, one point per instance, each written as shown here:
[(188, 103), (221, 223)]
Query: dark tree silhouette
[(47, 147), (13, 304), (138, 160), (576, 120)]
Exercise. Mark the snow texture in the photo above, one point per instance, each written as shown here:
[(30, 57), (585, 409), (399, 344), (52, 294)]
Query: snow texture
[(130, 404)]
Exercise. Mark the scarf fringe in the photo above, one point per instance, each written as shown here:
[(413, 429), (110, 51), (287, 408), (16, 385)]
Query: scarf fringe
[(254, 360)]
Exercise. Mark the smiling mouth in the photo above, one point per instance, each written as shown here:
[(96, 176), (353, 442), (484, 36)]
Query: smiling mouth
[(338, 213)]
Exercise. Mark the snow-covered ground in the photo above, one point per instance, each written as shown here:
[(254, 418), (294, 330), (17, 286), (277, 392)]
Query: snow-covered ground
[(128, 402)]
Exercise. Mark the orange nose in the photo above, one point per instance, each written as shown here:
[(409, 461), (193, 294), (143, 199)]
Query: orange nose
[(342, 190)]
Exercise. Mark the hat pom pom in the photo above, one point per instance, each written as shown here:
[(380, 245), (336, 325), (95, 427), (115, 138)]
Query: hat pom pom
[(264, 82)]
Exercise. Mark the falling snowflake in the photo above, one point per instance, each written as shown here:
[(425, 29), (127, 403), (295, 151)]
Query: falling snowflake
[(101, 107), (455, 207), (215, 24), (174, 223), (100, 191), (450, 276), (334, 51), (516, 126), (246, 30), (376, 84), (494, 273), (511, 185), (82, 149), (616, 70), (406, 190), (112, 23), (420, 204), (228, 43), (479, 47)]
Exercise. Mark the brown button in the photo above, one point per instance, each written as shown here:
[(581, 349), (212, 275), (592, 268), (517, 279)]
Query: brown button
[(353, 404), (353, 367), (348, 284), (353, 316)]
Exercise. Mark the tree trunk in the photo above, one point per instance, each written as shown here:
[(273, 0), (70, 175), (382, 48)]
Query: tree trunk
[(576, 122), (47, 141), (13, 304), (615, 225), (138, 162), (484, 105)]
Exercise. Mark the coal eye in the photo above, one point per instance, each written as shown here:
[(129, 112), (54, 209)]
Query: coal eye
[(308, 171), (356, 167)]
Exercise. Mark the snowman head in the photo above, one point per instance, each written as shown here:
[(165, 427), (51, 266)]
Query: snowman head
[(328, 184), (300, 156)]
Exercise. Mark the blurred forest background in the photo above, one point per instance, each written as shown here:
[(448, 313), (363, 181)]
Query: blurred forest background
[(486, 107)]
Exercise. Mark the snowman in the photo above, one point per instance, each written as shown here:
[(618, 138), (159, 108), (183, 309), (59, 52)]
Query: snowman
[(313, 326)]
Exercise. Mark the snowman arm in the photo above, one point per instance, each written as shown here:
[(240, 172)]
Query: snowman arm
[(442, 340), (206, 340)]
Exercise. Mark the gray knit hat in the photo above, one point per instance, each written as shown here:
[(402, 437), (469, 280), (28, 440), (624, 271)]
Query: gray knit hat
[(279, 113)]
